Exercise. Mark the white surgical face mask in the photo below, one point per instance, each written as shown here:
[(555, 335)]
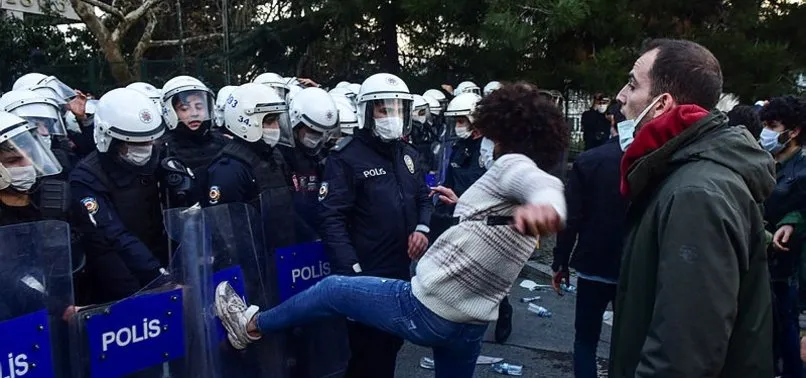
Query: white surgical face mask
[(626, 128), (138, 155), (22, 178), (462, 132), (769, 141), (601, 108), (47, 141), (389, 128), (271, 136), (419, 118), (486, 150), (312, 140)]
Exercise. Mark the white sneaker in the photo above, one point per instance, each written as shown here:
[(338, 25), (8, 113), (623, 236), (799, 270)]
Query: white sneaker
[(234, 315)]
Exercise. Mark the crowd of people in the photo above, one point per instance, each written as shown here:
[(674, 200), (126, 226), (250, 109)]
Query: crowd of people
[(685, 217)]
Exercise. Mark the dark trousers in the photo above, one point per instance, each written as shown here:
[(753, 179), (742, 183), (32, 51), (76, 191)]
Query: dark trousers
[(786, 347), (592, 300), (373, 352)]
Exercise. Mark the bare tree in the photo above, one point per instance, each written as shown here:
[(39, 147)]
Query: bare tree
[(111, 28)]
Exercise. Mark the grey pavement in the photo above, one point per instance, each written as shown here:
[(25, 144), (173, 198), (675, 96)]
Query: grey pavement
[(542, 345)]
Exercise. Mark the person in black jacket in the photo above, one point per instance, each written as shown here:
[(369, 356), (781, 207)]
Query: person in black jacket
[(375, 209), (596, 213), (595, 126)]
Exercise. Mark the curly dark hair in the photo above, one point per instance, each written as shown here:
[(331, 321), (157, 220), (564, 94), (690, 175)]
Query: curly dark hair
[(747, 116), (521, 120), (790, 111)]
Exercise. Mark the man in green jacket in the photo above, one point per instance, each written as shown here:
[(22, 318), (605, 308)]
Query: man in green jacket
[(693, 296)]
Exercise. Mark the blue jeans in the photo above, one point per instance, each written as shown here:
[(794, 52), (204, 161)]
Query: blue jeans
[(388, 305), (592, 300), (787, 331)]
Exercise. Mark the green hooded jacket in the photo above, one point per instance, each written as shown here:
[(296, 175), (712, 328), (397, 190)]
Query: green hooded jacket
[(694, 296)]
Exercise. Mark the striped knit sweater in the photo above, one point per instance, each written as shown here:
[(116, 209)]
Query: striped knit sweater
[(466, 273)]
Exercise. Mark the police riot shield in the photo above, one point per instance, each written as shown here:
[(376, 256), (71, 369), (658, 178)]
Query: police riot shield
[(37, 299), (216, 244), (319, 349)]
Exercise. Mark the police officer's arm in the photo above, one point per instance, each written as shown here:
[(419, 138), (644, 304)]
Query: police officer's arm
[(425, 204), (124, 263), (336, 200), (229, 182)]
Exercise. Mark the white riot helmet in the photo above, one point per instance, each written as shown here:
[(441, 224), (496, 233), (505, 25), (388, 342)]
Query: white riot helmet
[(149, 90), (462, 106), (23, 156), (436, 94), (467, 87), (433, 105), (491, 87), (220, 102), (314, 108), (252, 106), (292, 91), (421, 112), (128, 116), (387, 97), (44, 113), (275, 81), (343, 84), (344, 91), (187, 101), (28, 80), (354, 88), (348, 119)]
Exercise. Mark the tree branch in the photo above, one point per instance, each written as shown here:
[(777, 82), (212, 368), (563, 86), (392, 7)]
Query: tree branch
[(106, 8), (145, 39), (94, 24), (177, 42), (132, 17)]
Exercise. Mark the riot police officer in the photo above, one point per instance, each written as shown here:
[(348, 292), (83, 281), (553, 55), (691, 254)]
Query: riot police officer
[(187, 108), (375, 208), (314, 118), (423, 135), (465, 164), (26, 195), (220, 101), (45, 114), (116, 198), (348, 120), (149, 91), (276, 82), (249, 164)]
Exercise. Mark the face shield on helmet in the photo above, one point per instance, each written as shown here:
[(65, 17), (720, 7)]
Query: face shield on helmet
[(24, 155), (390, 118), (192, 108), (42, 112), (459, 115), (254, 112), (62, 89)]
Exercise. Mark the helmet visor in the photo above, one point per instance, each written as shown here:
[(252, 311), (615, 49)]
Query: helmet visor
[(193, 108), (422, 115), (458, 127), (26, 149), (393, 113), (47, 126), (62, 89)]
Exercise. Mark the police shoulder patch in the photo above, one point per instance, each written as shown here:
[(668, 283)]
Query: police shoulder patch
[(323, 191), (342, 143), (215, 195), (91, 204), (409, 163)]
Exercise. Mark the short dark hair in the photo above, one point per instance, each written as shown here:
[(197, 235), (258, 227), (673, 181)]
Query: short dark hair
[(747, 116), (686, 70), (521, 120), (790, 111)]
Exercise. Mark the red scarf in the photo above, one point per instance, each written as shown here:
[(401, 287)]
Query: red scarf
[(655, 134)]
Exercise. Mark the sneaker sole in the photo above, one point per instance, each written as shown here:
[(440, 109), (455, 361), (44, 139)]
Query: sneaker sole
[(226, 321)]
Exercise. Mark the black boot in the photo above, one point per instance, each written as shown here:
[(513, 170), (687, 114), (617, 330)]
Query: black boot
[(503, 327)]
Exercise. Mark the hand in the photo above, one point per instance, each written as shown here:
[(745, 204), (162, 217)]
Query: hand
[(307, 82), (447, 196), (78, 106), (557, 280), (418, 242), (536, 220), (781, 237), (448, 88), (69, 312)]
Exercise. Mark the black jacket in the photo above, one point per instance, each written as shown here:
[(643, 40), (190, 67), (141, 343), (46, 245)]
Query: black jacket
[(596, 212), (372, 197)]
